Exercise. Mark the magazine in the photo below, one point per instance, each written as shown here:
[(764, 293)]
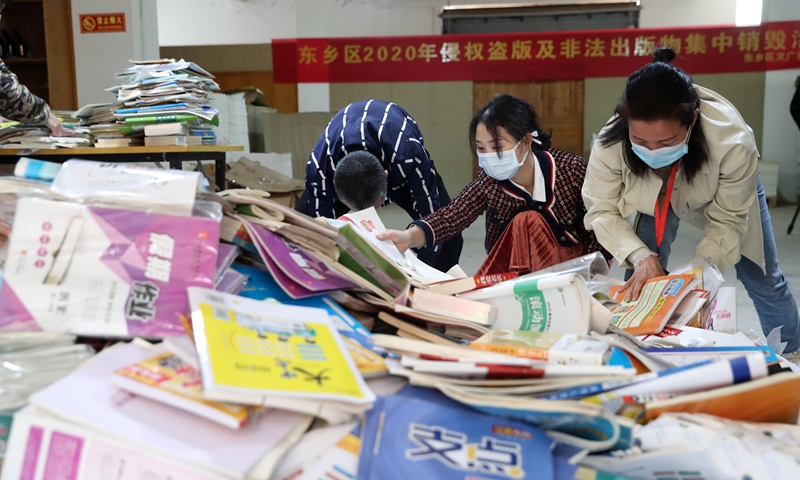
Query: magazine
[(657, 301)]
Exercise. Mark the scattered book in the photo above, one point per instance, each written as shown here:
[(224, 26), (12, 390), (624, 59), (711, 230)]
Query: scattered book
[(461, 285), (555, 303), (274, 355), (168, 379), (564, 349)]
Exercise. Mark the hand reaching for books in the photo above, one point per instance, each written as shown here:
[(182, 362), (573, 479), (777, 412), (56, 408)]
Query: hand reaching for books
[(56, 128), (648, 268), (412, 237)]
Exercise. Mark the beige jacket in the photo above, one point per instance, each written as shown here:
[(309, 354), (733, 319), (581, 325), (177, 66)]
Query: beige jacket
[(721, 201)]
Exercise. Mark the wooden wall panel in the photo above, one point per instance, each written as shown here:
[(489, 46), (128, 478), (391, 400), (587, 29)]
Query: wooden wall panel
[(60, 54), (558, 103), (282, 97)]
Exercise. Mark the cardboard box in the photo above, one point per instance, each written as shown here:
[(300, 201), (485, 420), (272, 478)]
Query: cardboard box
[(282, 189)]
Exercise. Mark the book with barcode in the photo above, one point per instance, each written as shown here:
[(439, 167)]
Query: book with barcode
[(280, 356)]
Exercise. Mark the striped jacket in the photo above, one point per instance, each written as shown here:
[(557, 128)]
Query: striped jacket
[(502, 200), (17, 102), (388, 132)]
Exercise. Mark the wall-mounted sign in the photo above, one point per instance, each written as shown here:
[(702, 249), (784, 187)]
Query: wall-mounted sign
[(534, 56), (102, 22)]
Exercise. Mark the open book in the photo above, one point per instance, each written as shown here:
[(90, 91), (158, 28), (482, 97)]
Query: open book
[(368, 223)]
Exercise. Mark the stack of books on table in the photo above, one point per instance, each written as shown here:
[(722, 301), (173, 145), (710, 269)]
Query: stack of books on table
[(108, 135), (168, 101)]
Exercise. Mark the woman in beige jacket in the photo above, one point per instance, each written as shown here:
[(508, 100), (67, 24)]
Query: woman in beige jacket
[(677, 151)]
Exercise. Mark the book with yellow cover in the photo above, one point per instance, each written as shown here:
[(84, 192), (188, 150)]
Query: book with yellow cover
[(283, 356), (168, 379)]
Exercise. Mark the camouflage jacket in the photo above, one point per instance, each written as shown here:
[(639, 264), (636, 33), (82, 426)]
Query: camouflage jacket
[(17, 102)]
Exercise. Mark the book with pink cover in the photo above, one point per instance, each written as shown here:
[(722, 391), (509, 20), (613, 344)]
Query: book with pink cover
[(103, 271)]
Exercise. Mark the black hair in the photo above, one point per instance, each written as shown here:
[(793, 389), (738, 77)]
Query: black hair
[(360, 180), (659, 91), (515, 115)]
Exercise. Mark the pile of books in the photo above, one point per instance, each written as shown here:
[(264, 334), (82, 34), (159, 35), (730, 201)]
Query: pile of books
[(271, 319), (169, 101), (159, 103)]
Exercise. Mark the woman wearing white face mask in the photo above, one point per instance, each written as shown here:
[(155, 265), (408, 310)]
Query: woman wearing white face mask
[(677, 151), (529, 191)]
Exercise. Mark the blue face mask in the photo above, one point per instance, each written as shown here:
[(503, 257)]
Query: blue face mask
[(662, 157)]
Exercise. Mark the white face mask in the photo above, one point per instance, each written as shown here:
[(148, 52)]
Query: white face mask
[(503, 165)]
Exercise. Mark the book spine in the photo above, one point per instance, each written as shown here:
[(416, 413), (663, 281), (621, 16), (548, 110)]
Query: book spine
[(524, 352), (483, 281)]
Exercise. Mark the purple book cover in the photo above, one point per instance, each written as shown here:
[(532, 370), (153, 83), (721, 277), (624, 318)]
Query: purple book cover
[(104, 271), (301, 267), (292, 288)]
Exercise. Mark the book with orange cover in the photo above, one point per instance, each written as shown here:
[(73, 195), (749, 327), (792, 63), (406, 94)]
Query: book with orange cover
[(773, 399), (168, 379), (657, 301)]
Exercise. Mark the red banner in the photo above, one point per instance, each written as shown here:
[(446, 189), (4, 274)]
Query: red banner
[(534, 56)]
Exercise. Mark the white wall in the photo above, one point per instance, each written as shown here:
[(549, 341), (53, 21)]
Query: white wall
[(686, 13), (781, 135), (232, 22), (98, 56)]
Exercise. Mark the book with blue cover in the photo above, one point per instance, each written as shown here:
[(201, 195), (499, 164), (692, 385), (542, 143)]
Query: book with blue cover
[(423, 434)]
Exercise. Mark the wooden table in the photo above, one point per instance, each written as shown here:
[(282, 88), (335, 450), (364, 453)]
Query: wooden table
[(174, 155)]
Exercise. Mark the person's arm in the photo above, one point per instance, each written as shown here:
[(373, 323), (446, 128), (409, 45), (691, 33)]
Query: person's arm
[(602, 196), (576, 174), (446, 222), (18, 103), (727, 212)]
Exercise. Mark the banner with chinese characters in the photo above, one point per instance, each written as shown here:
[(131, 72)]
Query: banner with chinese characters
[(534, 56)]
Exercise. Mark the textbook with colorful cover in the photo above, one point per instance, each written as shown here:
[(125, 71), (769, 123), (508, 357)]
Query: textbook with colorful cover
[(168, 379), (555, 303), (658, 299), (103, 271), (422, 434), (583, 425), (283, 356)]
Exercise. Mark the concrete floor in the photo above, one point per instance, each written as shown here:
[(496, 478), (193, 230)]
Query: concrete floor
[(682, 251)]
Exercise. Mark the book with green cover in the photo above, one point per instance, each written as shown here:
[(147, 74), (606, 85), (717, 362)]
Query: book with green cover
[(134, 121)]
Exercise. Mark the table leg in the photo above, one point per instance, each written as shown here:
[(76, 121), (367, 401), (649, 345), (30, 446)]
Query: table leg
[(219, 166), (175, 162)]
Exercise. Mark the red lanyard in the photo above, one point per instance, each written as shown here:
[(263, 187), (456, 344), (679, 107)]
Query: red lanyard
[(661, 216)]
